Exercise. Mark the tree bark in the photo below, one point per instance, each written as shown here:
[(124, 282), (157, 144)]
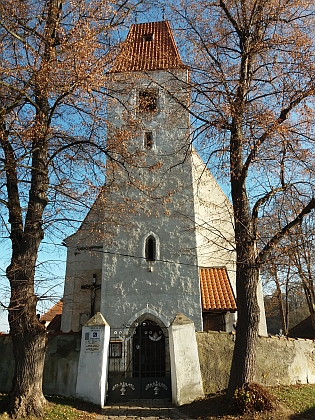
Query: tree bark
[(247, 269), (244, 356), (282, 312), (29, 346), (27, 333)]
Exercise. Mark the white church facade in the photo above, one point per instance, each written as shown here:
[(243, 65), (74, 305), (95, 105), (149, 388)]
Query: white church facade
[(159, 238)]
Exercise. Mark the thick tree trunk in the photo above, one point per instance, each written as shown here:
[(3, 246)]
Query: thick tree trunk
[(26, 396), (244, 356), (247, 270), (28, 334), (247, 278), (29, 343)]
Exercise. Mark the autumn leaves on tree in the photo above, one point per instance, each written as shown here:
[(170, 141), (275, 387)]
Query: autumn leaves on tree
[(52, 120), (253, 85), (252, 103)]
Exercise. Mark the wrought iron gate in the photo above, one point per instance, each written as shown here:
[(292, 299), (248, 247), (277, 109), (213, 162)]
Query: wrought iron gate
[(139, 363)]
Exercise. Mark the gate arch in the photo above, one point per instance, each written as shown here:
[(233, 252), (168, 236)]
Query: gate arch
[(142, 369)]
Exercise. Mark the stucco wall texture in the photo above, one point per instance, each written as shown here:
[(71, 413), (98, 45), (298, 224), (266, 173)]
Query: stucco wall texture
[(279, 360)]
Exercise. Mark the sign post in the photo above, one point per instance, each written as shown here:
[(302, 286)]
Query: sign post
[(93, 362)]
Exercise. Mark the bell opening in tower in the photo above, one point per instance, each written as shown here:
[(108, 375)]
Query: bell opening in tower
[(148, 100)]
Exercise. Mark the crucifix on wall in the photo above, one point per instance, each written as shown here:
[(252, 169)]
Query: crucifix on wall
[(92, 287)]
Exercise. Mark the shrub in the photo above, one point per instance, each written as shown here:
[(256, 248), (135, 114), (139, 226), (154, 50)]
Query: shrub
[(253, 397)]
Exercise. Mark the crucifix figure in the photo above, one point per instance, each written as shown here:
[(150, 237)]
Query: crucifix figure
[(93, 287)]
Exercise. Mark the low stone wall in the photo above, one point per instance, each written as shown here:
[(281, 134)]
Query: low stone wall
[(61, 364), (285, 361), (215, 357), (279, 360)]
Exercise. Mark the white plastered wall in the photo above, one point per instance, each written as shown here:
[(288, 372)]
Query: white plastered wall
[(173, 284), (215, 233)]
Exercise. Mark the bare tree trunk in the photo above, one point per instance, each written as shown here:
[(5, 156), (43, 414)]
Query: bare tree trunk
[(244, 356), (287, 312), (29, 347), (282, 312), (309, 294), (247, 272), (26, 396), (28, 335)]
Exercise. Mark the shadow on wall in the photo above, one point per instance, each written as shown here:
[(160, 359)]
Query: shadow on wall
[(61, 364)]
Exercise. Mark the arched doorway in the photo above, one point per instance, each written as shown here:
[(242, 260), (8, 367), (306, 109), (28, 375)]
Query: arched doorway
[(139, 362), (148, 349)]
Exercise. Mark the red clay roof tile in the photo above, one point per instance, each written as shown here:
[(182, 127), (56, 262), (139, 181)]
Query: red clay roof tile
[(149, 46), (55, 323), (216, 290), (52, 312)]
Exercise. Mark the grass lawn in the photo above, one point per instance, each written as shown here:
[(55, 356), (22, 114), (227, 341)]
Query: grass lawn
[(300, 398), (59, 408), (295, 403)]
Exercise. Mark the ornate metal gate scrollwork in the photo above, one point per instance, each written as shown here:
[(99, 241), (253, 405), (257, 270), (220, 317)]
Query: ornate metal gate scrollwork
[(139, 363)]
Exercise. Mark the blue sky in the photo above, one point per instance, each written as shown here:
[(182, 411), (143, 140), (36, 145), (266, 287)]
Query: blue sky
[(49, 278), (52, 257)]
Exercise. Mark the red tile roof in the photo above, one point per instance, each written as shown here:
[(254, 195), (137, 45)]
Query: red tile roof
[(55, 323), (216, 290), (52, 312), (149, 46)]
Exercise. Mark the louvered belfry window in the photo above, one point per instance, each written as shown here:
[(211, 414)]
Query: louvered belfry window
[(148, 100)]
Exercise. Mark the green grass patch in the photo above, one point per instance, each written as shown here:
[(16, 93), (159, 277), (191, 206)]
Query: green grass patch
[(300, 398), (58, 408)]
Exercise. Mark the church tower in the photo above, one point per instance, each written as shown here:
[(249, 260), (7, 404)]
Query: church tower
[(150, 92), (159, 238), (158, 243)]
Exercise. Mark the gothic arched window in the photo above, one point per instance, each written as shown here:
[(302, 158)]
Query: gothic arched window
[(150, 248)]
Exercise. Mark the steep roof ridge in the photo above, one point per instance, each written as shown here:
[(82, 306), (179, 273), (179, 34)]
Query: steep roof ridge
[(149, 46)]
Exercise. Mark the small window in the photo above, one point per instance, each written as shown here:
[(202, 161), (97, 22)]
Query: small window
[(147, 37), (115, 349), (148, 140), (148, 100), (150, 249), (213, 321)]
